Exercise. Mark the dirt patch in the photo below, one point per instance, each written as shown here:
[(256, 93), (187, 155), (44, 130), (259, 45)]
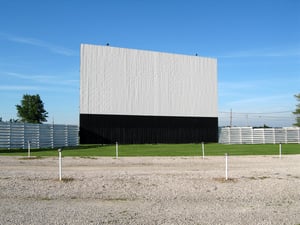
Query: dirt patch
[(224, 180)]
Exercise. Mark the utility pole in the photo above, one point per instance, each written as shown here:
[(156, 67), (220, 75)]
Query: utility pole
[(230, 117)]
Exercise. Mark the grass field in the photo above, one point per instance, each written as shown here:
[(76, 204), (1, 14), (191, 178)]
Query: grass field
[(159, 150)]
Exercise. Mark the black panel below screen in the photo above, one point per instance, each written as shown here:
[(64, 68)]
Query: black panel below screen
[(125, 129)]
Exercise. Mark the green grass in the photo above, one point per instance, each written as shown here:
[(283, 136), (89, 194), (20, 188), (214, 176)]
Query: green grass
[(159, 150)]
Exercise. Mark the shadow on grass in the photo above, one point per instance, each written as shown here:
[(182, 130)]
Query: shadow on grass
[(79, 147)]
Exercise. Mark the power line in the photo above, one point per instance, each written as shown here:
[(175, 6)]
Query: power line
[(275, 118), (257, 112)]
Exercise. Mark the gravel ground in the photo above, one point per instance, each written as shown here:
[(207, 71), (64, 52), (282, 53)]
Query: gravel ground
[(150, 190)]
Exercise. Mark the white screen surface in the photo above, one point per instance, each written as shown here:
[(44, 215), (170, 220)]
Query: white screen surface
[(133, 82)]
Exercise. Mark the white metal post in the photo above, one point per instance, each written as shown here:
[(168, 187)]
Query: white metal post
[(226, 166), (117, 150), (28, 144), (280, 150), (202, 150), (59, 164)]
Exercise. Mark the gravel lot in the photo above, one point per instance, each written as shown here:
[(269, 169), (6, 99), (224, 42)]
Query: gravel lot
[(150, 190)]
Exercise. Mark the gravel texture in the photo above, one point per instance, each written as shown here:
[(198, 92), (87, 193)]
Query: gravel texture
[(150, 190)]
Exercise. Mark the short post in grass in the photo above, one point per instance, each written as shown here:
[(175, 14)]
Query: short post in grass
[(226, 166), (59, 164), (117, 150), (202, 150), (280, 150), (28, 146)]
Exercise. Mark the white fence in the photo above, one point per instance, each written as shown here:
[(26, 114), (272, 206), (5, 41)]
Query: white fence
[(249, 135), (17, 135)]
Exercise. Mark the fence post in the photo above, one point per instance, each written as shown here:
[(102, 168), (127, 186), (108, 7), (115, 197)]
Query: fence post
[(280, 150), (226, 166), (117, 150), (9, 145), (52, 135), (202, 150), (59, 164), (39, 135), (229, 132), (28, 145), (24, 133), (285, 131), (66, 135)]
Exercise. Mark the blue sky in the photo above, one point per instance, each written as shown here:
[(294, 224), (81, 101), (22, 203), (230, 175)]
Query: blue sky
[(256, 42)]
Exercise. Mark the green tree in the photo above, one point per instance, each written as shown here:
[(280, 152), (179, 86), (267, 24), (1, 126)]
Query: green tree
[(297, 111), (32, 109)]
